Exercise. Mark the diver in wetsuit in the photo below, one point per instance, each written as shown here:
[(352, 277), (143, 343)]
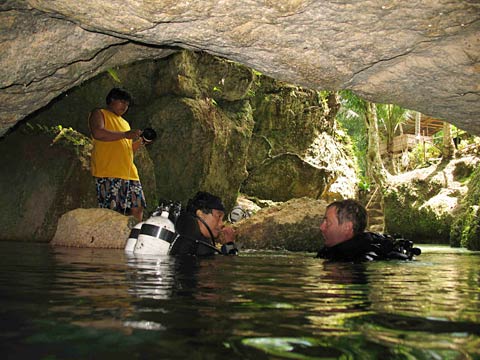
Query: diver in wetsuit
[(343, 229), (200, 225)]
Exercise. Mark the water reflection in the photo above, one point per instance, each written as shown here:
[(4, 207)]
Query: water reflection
[(92, 303), (338, 291), (422, 338), (414, 289), (151, 277)]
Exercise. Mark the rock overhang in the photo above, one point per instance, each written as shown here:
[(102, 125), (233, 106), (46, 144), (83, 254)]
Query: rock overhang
[(420, 55)]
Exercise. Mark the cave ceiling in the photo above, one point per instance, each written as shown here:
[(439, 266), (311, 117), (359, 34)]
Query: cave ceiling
[(421, 55)]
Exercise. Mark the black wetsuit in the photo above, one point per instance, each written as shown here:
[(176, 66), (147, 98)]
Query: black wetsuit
[(367, 246), (190, 240)]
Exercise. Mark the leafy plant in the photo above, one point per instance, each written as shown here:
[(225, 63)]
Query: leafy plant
[(364, 184), (114, 75), (351, 117), (422, 153), (66, 137)]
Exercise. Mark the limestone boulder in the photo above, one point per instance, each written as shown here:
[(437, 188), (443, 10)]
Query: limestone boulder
[(294, 146), (293, 225), (198, 75), (93, 228), (201, 109), (423, 204)]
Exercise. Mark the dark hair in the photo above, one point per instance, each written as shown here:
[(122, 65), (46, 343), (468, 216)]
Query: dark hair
[(119, 94), (351, 210), (205, 202)]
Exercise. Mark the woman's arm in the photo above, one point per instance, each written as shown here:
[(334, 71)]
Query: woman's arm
[(97, 128)]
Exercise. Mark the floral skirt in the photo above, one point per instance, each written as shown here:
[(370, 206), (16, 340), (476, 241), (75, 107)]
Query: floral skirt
[(119, 194)]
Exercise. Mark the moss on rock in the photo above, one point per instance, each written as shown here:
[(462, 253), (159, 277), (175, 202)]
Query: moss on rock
[(436, 204), (465, 231), (405, 215)]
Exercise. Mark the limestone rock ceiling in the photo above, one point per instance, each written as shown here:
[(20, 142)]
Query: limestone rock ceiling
[(422, 55)]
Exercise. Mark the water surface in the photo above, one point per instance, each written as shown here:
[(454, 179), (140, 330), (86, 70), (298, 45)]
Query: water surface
[(67, 303)]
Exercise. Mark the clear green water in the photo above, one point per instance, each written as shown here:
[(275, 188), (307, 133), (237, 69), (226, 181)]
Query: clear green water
[(65, 303)]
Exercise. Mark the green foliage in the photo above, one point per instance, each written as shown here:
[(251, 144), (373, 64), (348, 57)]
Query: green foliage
[(257, 73), (66, 137), (114, 75), (390, 117), (420, 155), (463, 172), (323, 97), (352, 117), (465, 230), (456, 231), (257, 82), (364, 184)]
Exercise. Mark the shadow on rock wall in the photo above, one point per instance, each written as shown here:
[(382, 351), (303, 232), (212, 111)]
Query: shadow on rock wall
[(39, 183)]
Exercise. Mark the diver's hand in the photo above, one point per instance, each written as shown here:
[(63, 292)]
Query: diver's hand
[(227, 235)]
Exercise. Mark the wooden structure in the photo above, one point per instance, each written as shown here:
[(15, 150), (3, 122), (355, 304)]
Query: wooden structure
[(428, 126), (404, 142), (409, 139)]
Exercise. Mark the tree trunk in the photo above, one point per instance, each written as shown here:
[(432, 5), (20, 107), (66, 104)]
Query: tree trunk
[(448, 147), (375, 168)]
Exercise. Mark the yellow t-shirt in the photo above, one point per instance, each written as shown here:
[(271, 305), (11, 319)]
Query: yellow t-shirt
[(114, 159)]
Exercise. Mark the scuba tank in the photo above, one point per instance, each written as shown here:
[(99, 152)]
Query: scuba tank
[(156, 234), (133, 237)]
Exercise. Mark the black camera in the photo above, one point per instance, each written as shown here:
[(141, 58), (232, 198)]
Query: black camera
[(148, 135), (405, 246)]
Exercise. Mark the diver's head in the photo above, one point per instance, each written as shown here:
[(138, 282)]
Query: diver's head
[(210, 209), (343, 220)]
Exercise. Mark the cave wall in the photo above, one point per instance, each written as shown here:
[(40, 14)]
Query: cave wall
[(204, 110), (40, 182)]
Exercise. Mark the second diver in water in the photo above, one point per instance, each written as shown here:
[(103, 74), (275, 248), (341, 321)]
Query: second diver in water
[(343, 229)]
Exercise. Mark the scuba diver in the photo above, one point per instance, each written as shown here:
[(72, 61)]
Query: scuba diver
[(200, 225), (343, 229)]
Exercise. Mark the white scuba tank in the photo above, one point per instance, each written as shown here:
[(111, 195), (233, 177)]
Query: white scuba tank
[(133, 237), (156, 235)]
